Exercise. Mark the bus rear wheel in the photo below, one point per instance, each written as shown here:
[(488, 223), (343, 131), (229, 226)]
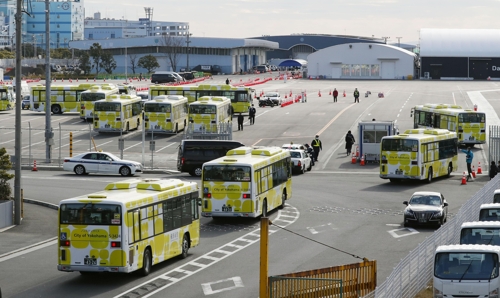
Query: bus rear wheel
[(264, 208), (56, 109), (429, 176), (176, 131), (146, 263), (185, 247), (283, 199), (127, 128), (450, 169)]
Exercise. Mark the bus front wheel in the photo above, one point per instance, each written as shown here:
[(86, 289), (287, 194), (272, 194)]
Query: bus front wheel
[(283, 199), (185, 246), (450, 169), (146, 263), (264, 208), (56, 109), (429, 176)]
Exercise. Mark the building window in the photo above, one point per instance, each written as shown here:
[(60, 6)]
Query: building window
[(91, 36), (113, 35), (375, 70)]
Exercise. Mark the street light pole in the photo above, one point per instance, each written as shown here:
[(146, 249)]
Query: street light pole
[(48, 129), (18, 143), (399, 44), (187, 52)]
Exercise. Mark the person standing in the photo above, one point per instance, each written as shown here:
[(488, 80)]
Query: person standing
[(349, 140), (335, 94), (227, 81), (468, 159), (251, 114), (356, 95), (317, 147), (240, 121), (493, 170)]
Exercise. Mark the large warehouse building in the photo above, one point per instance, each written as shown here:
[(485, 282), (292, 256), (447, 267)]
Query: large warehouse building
[(470, 54)]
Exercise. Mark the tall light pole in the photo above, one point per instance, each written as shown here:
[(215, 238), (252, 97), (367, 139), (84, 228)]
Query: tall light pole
[(399, 44), (187, 50), (126, 58), (48, 129), (18, 143)]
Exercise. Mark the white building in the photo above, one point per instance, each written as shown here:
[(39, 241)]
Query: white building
[(362, 61)]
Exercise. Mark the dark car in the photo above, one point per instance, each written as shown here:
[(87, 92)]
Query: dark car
[(426, 207), (159, 78)]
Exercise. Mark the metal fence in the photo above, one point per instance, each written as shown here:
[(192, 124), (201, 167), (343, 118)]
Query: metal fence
[(493, 144), (414, 272)]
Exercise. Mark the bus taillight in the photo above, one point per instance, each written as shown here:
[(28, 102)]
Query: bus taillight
[(247, 196), (83, 107), (116, 244), (208, 195), (65, 243)]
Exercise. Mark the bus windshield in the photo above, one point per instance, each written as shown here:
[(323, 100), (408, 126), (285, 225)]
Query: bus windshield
[(471, 118), (4, 95), (107, 107), (400, 145), (157, 107), (89, 213), (466, 266), (226, 173), (92, 96), (202, 109), (486, 236), (490, 214)]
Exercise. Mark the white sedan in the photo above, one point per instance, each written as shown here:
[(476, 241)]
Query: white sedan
[(274, 96), (101, 162), (301, 160)]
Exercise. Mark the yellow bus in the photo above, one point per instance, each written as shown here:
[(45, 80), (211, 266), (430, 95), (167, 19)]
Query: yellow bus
[(241, 97), (127, 88), (63, 99), (420, 154), (209, 112), (469, 125), (7, 98), (247, 182), (117, 113), (95, 93), (129, 226), (165, 114)]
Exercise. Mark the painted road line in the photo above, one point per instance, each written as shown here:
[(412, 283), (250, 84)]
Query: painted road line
[(28, 249), (155, 285), (164, 147), (335, 118), (133, 146)]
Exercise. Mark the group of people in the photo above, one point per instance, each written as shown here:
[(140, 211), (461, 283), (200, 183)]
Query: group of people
[(251, 116), (335, 94), (494, 169)]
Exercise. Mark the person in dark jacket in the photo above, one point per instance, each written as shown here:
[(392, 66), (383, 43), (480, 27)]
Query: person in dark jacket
[(468, 159), (493, 170), (335, 94), (240, 121), (349, 140), (310, 152), (227, 81), (317, 147), (251, 114), (356, 95)]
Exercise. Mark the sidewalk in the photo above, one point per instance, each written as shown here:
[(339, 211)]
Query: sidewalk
[(39, 224)]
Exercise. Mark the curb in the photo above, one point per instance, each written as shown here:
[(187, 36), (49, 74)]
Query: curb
[(41, 203)]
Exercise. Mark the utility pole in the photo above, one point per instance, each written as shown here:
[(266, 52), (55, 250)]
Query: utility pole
[(48, 129), (385, 38), (187, 52), (18, 143), (399, 44)]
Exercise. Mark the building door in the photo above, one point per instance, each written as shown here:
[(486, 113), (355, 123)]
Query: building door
[(388, 70), (478, 69), (435, 72), (336, 71)]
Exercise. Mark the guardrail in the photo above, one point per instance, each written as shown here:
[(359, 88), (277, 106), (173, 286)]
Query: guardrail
[(415, 271)]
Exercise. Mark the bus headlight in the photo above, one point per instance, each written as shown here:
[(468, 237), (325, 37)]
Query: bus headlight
[(438, 293), (494, 293)]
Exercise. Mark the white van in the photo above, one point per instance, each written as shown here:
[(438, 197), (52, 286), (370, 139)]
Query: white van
[(25, 89)]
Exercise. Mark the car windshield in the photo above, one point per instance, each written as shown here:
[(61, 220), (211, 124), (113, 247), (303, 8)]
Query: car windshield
[(489, 214), (295, 154), (425, 200), (271, 95), (466, 266)]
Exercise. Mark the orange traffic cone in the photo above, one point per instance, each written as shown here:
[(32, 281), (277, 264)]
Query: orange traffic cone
[(34, 166), (330, 92), (357, 151), (479, 171), (362, 160), (353, 159), (464, 179), (344, 93), (473, 172), (319, 93)]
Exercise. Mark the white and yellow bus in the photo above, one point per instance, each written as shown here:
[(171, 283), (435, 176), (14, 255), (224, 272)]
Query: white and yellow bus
[(247, 182), (118, 113), (7, 98), (469, 125), (63, 99), (130, 226), (166, 114), (209, 112), (95, 93), (241, 97), (127, 89), (419, 154)]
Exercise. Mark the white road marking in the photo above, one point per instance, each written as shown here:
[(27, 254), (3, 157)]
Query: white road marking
[(187, 268), (207, 287), (320, 228), (393, 225), (395, 235), (140, 143), (22, 251), (164, 147)]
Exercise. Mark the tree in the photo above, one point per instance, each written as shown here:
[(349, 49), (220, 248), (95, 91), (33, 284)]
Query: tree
[(108, 63), (60, 53), (5, 166), (96, 54), (172, 46), (133, 63), (4, 54), (148, 62), (85, 64)]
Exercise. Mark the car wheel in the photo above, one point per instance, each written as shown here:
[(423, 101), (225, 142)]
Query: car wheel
[(303, 171), (79, 170), (264, 208), (196, 172), (429, 176), (406, 224), (283, 199), (310, 167), (185, 247), (56, 109), (146, 263), (125, 171), (441, 221)]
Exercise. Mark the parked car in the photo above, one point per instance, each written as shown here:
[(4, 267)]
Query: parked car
[(262, 68), (425, 207), (301, 160), (101, 162), (25, 104), (274, 96), (159, 78)]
